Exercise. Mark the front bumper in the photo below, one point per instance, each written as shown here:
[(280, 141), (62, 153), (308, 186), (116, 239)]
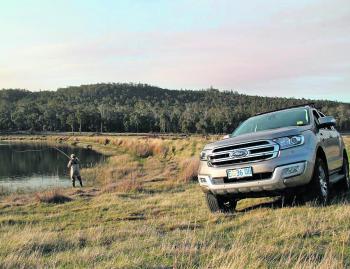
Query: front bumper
[(212, 179), (275, 183)]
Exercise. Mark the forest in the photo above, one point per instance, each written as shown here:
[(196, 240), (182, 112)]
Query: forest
[(127, 107)]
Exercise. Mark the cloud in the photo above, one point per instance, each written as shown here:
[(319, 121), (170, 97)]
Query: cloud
[(293, 52)]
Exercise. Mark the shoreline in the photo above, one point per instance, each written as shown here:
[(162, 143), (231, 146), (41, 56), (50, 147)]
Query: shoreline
[(67, 140), (128, 157), (49, 141)]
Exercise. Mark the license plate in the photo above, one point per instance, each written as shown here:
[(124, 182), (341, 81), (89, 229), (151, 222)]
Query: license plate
[(239, 172)]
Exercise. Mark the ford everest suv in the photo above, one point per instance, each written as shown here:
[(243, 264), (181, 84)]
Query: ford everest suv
[(292, 151)]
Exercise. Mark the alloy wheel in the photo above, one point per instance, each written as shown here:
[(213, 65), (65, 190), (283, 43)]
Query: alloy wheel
[(323, 182), (346, 171)]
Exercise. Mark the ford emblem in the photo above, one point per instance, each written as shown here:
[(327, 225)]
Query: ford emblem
[(238, 153)]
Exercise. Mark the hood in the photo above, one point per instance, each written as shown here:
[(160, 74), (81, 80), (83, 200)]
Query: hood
[(262, 135)]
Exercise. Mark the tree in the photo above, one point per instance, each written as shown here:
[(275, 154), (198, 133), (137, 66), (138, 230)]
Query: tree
[(81, 117), (117, 107), (71, 121)]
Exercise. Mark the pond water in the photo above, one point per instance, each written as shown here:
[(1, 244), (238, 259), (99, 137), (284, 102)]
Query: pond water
[(39, 166)]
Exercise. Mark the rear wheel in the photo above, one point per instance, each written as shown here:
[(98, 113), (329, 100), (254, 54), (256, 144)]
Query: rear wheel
[(345, 182), (320, 183), (220, 204)]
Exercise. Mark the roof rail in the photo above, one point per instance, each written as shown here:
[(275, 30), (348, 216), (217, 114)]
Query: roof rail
[(302, 105)]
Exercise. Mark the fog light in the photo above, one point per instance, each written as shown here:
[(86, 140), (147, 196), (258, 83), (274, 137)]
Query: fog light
[(202, 180), (217, 180), (293, 170)]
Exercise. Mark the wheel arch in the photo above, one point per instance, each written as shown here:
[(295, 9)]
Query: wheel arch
[(345, 154), (320, 153)]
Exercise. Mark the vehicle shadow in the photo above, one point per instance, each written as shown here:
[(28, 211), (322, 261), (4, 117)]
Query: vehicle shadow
[(278, 203), (337, 197)]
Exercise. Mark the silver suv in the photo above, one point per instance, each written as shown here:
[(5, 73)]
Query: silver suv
[(292, 151)]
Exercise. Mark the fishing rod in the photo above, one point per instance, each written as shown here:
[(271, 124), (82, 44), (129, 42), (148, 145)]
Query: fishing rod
[(61, 152)]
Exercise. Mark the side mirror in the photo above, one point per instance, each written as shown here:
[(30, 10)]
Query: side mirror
[(327, 121), (226, 136)]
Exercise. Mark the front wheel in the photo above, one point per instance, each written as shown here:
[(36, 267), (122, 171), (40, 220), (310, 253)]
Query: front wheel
[(220, 204), (320, 183)]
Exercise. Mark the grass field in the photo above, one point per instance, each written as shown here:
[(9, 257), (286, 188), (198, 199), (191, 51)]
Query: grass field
[(142, 209)]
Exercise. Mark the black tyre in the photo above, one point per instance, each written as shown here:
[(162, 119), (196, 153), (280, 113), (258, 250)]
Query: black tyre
[(345, 182), (220, 204), (320, 183)]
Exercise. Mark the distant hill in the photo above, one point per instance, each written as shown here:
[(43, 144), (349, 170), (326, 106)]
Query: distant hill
[(119, 107)]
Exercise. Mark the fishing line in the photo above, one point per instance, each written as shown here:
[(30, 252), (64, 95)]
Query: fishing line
[(60, 151), (30, 150), (39, 150)]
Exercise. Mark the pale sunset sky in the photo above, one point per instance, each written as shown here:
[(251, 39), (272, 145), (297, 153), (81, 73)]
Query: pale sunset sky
[(267, 47)]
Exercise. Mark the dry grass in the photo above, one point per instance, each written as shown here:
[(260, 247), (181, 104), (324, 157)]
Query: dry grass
[(4, 191), (142, 147), (173, 230), (143, 150), (147, 215), (54, 196), (124, 186), (119, 174), (16, 199), (347, 143), (189, 169), (142, 160)]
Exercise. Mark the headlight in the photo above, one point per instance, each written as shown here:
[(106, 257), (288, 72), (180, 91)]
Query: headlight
[(204, 155), (290, 141)]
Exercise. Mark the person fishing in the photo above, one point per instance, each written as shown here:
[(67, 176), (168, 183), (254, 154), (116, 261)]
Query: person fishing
[(73, 165)]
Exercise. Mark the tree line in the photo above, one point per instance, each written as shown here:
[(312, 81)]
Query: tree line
[(120, 107)]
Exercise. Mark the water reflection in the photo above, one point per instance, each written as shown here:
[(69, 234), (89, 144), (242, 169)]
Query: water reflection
[(39, 165)]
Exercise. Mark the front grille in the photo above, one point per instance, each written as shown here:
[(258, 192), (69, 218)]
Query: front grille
[(243, 153), (250, 144)]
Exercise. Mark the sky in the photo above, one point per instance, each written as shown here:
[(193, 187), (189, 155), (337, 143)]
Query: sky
[(257, 47)]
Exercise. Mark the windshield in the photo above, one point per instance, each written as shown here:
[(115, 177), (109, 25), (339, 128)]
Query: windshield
[(274, 120)]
